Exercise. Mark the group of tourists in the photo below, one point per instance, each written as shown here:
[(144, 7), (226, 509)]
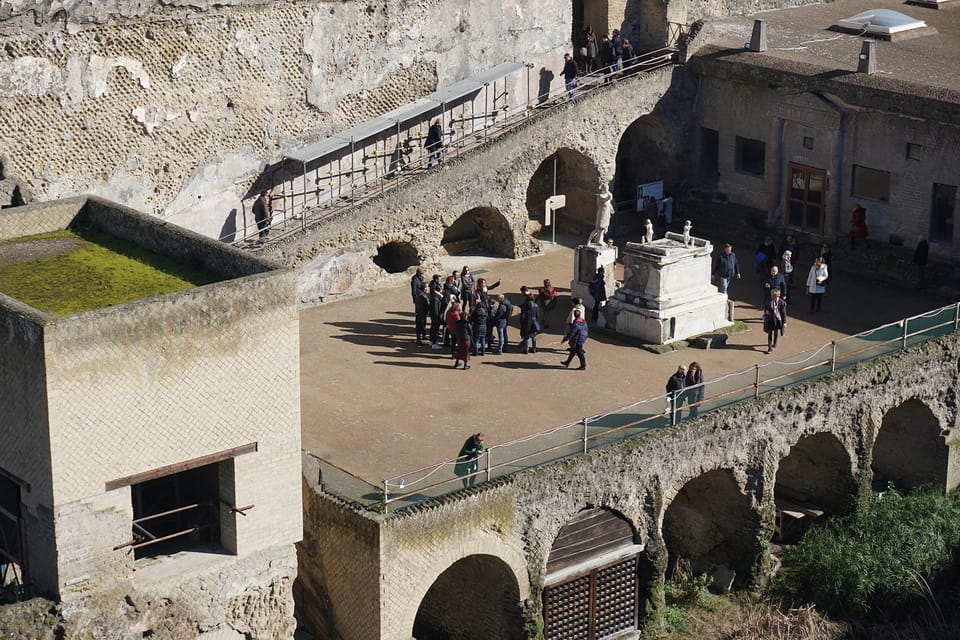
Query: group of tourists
[(611, 53), (468, 320), (775, 269), (686, 386)]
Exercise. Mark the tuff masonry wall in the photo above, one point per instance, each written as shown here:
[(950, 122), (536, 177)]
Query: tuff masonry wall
[(494, 179), (517, 519), (177, 108), (145, 386)]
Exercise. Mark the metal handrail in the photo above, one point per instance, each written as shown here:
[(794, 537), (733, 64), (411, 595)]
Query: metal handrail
[(355, 191), (673, 409)]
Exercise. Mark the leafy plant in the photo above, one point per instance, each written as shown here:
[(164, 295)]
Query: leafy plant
[(877, 558)]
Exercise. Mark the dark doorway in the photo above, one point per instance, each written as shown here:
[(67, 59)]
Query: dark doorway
[(709, 157), (590, 13), (806, 191), (13, 578), (396, 257), (476, 598), (941, 213)]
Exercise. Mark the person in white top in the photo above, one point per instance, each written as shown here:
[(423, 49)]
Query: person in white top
[(816, 283)]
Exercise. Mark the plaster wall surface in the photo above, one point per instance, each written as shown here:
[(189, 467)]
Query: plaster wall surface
[(518, 518), (177, 108)]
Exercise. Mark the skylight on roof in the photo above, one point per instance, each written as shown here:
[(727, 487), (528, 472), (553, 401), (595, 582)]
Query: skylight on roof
[(883, 22)]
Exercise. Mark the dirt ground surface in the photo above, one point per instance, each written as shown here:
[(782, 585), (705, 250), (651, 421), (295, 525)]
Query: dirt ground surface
[(16, 252), (378, 405)]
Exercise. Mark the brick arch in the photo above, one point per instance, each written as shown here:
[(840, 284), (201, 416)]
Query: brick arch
[(711, 520), (578, 177), (909, 449), (483, 545), (817, 471), (484, 228)]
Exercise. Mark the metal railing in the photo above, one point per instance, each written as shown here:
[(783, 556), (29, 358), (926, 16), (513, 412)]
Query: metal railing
[(358, 184), (662, 411)]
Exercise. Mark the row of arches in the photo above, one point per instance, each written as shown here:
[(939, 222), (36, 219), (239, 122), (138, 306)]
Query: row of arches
[(602, 570), (488, 230)]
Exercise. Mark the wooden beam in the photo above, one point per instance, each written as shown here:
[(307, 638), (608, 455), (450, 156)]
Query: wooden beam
[(180, 467)]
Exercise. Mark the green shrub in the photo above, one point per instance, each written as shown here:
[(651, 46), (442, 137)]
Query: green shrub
[(877, 558)]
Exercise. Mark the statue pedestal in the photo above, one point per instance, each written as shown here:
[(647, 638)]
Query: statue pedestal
[(666, 294), (586, 260)]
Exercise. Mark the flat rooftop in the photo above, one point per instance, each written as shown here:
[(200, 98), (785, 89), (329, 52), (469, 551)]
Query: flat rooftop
[(82, 269), (924, 66), (377, 405)]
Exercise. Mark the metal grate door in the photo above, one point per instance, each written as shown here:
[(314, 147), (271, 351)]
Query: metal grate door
[(594, 605)]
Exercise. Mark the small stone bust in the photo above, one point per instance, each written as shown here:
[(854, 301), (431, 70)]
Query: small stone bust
[(687, 238), (648, 231)]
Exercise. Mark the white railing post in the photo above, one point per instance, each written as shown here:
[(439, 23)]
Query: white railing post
[(386, 496), (956, 316), (673, 408), (903, 338), (585, 423), (756, 381), (833, 357), (488, 464)]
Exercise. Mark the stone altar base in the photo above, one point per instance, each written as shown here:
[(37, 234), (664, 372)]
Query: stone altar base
[(666, 294), (586, 260)]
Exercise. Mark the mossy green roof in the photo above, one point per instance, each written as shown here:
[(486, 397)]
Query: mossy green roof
[(81, 269)]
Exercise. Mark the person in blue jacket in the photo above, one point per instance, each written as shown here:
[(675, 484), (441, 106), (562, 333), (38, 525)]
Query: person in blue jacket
[(576, 337)]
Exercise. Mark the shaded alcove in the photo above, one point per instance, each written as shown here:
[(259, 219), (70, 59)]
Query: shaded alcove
[(480, 229), (645, 23), (710, 522), (476, 598), (814, 480), (592, 13), (396, 257), (598, 578), (909, 450), (644, 155), (578, 178)]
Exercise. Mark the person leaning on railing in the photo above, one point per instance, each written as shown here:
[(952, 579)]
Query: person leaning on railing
[(466, 466)]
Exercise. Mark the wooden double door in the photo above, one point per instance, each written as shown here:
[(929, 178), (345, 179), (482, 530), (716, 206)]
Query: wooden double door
[(806, 198)]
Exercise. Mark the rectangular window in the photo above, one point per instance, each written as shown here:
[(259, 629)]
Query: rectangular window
[(870, 183), (914, 151), (177, 512), (750, 156), (941, 213), (808, 142)]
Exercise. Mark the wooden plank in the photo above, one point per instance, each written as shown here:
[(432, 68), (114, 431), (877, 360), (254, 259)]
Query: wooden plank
[(180, 467)]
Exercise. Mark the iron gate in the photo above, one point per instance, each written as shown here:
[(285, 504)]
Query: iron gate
[(594, 605)]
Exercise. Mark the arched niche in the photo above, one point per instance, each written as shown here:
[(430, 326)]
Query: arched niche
[(710, 523), (597, 578), (396, 257), (480, 229), (574, 175), (909, 450), (476, 598), (643, 156), (814, 480)]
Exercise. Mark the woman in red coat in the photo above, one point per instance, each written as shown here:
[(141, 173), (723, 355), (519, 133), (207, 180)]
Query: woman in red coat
[(858, 226)]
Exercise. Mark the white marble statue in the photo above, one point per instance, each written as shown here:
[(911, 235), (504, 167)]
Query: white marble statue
[(687, 239), (647, 232), (604, 213)]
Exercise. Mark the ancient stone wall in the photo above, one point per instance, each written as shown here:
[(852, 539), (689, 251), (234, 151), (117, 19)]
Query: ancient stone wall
[(518, 518), (176, 107), (495, 177)]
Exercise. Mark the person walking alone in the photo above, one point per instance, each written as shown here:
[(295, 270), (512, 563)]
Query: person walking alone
[(570, 72), (725, 268), (774, 318), (817, 283), (576, 336)]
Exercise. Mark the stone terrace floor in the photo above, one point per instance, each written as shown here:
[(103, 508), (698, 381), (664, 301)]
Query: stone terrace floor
[(377, 405)]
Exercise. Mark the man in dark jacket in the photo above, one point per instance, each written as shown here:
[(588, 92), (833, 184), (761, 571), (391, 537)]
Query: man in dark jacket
[(774, 280), (436, 310), (479, 320), (416, 283), (421, 301), (725, 268), (677, 383), (263, 213), (570, 72), (529, 323), (434, 143), (576, 336), (502, 316)]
